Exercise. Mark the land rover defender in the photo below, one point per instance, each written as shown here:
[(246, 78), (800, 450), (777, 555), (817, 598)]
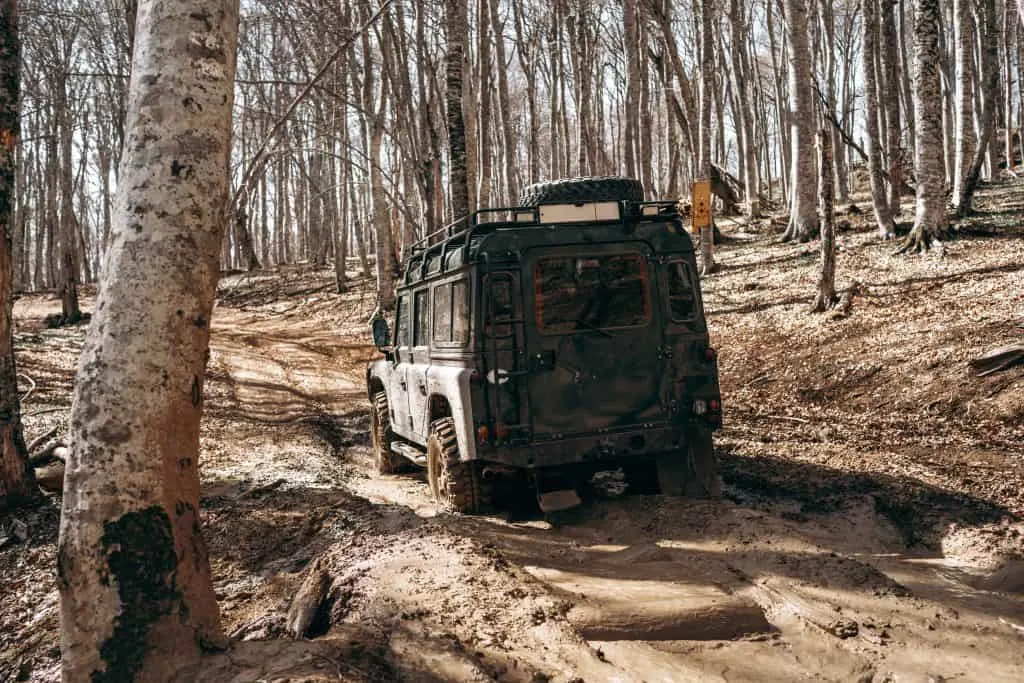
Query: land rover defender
[(547, 342)]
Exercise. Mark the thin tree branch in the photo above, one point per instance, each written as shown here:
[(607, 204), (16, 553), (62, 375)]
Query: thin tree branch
[(257, 156), (831, 116)]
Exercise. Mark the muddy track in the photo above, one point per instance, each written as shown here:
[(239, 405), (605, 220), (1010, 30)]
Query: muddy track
[(869, 530), (800, 567)]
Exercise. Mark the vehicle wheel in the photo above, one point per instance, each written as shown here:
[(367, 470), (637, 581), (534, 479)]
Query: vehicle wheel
[(382, 436), (691, 471), (595, 189), (457, 486), (641, 477)]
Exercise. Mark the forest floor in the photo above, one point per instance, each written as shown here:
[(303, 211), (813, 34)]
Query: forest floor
[(871, 528)]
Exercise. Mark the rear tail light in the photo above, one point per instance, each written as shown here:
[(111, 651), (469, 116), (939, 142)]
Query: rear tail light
[(501, 432), (700, 407), (710, 353), (482, 434), (715, 405)]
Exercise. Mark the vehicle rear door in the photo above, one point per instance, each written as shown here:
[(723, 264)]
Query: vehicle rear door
[(594, 339)]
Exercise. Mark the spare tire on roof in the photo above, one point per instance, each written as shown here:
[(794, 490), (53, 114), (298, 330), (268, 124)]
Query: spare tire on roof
[(594, 189)]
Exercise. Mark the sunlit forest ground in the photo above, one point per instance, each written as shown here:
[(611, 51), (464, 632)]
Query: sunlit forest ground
[(871, 520)]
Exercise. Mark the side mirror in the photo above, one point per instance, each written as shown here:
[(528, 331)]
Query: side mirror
[(381, 334)]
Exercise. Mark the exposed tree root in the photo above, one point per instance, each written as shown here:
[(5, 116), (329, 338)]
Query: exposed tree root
[(823, 303), (794, 234), (844, 305), (920, 241)]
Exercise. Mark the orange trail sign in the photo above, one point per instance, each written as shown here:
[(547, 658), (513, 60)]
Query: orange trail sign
[(701, 204)]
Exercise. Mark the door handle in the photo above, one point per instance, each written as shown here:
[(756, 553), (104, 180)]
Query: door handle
[(404, 385), (423, 388)]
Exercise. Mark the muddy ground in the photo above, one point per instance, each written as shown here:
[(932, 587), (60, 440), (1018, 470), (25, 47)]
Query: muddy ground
[(870, 530)]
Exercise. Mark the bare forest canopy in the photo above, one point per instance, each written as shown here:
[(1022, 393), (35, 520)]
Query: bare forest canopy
[(550, 89)]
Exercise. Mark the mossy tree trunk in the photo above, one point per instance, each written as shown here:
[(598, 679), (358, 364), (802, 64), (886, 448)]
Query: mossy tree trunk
[(137, 600)]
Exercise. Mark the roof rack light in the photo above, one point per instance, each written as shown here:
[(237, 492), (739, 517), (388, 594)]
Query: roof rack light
[(582, 212)]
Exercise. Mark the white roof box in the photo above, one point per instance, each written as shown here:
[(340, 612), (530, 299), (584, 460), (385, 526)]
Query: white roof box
[(582, 212)]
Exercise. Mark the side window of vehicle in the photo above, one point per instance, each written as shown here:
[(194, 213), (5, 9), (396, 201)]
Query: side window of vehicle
[(460, 312), (402, 322), (422, 313), (443, 312), (451, 313), (682, 300)]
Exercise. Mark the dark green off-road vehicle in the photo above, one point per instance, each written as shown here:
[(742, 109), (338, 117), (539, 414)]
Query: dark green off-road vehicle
[(546, 342)]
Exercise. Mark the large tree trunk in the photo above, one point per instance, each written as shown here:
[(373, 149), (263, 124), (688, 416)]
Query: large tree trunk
[(989, 92), (456, 34), (889, 64), (964, 143), (137, 599), (803, 216), (374, 109), (826, 297), (745, 110), (930, 222), (883, 212), (508, 147), (707, 84), (631, 125), (71, 312), (15, 476), (484, 87)]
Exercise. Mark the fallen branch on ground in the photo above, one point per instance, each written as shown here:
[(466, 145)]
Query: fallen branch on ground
[(39, 441), (55, 452), (999, 358), (845, 305), (258, 490), (30, 389)]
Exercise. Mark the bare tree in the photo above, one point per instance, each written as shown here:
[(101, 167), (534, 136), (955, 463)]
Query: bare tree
[(707, 85), (883, 210), (930, 223), (964, 142), (137, 598), (826, 296), (989, 89), (456, 31), (15, 476), (803, 217)]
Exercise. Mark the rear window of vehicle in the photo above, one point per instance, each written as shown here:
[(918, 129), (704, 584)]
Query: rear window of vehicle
[(682, 298), (593, 292)]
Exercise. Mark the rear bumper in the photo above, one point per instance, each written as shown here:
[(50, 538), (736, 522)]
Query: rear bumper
[(589, 448)]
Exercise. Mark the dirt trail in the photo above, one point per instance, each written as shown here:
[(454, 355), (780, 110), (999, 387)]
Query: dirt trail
[(870, 528), (822, 555)]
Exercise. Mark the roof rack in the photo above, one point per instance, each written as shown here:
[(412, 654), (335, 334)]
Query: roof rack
[(481, 221)]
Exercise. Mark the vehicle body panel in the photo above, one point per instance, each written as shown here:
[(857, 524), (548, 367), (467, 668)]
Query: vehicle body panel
[(529, 396)]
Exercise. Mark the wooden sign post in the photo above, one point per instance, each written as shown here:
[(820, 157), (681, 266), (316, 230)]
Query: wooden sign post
[(701, 205)]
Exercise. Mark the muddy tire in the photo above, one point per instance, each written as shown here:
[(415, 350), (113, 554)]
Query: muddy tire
[(382, 436), (691, 471), (596, 189), (641, 477), (456, 485)]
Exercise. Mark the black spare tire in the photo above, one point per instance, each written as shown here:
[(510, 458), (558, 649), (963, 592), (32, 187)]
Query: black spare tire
[(594, 189)]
